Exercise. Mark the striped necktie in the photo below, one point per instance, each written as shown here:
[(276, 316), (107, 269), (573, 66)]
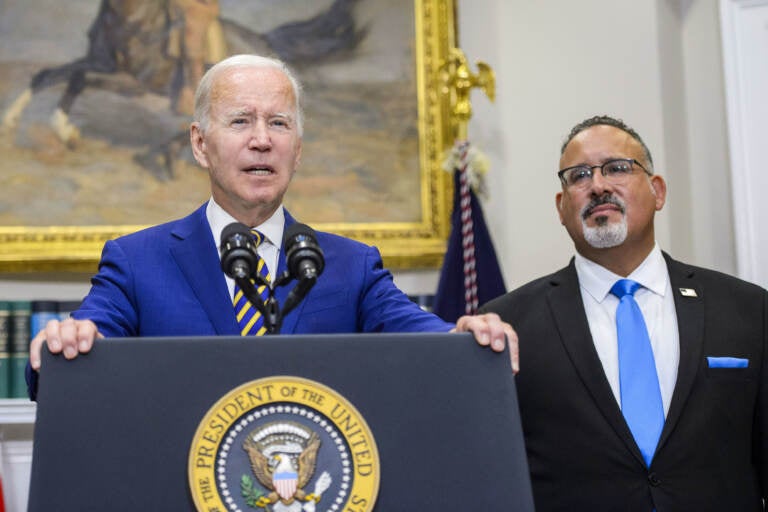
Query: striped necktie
[(249, 318), (641, 402)]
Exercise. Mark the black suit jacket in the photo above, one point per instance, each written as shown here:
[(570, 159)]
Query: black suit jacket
[(713, 451)]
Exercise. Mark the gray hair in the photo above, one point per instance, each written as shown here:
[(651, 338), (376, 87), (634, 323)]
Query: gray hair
[(203, 93), (609, 121)]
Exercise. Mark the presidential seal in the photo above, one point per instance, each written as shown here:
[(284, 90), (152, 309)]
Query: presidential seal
[(283, 444)]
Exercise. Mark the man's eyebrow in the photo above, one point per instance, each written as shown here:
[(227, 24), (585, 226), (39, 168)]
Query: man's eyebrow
[(247, 113), (236, 113)]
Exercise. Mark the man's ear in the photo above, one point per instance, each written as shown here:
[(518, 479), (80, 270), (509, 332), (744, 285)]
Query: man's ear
[(559, 206), (197, 141), (659, 190), (297, 160)]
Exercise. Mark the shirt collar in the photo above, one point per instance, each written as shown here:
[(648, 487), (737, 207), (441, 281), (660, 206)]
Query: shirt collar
[(597, 280), (272, 228)]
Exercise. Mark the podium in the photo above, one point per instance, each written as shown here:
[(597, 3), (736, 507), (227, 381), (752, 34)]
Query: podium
[(132, 424)]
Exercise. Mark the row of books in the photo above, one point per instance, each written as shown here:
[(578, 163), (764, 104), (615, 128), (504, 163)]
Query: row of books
[(20, 320)]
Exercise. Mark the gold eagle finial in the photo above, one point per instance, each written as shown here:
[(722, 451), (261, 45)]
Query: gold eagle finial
[(458, 82)]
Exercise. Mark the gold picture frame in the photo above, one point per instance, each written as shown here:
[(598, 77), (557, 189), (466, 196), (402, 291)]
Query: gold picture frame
[(417, 244)]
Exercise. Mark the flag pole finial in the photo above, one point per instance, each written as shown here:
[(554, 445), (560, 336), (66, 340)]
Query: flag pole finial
[(458, 82)]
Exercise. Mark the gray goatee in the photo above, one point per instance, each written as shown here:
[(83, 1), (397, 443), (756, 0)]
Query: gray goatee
[(605, 234)]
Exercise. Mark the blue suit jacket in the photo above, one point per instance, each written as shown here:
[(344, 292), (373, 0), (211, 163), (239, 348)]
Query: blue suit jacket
[(167, 281)]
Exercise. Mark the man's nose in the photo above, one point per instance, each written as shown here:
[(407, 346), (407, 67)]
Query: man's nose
[(599, 185), (260, 139)]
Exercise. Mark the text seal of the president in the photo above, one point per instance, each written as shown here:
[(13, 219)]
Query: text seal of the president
[(283, 444)]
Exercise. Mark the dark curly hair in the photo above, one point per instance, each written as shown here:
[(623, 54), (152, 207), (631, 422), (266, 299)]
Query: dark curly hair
[(609, 121)]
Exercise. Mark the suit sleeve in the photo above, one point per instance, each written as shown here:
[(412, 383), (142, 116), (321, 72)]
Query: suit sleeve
[(107, 304), (110, 303), (383, 307)]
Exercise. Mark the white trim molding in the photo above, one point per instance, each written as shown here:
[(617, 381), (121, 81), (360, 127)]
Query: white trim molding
[(744, 29)]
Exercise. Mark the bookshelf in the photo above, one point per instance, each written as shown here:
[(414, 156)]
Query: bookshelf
[(17, 422), (17, 411)]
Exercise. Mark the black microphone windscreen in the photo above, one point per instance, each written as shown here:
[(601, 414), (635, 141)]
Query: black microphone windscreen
[(238, 255), (234, 228), (302, 251), (295, 232)]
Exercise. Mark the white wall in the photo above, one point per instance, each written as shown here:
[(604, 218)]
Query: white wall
[(710, 211), (557, 63), (745, 40), (656, 64)]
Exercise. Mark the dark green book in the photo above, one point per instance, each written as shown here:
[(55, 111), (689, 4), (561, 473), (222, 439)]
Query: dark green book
[(21, 311), (5, 349)]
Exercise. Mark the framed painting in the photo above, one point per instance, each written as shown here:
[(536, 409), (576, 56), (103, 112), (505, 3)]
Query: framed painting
[(95, 114)]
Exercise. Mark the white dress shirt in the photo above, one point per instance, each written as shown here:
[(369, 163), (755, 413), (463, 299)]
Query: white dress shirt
[(658, 306), (268, 249)]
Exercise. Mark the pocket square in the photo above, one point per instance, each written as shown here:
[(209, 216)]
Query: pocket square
[(727, 362)]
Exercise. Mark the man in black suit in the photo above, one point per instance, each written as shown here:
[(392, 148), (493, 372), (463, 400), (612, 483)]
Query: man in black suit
[(708, 336)]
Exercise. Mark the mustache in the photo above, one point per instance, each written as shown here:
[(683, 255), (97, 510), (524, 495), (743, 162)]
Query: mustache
[(604, 199)]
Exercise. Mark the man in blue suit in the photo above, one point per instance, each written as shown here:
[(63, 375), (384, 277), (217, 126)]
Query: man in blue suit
[(167, 280)]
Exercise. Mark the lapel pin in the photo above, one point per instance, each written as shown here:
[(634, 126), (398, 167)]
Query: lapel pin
[(688, 292)]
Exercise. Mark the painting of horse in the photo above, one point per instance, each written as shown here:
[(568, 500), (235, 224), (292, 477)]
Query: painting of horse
[(96, 99)]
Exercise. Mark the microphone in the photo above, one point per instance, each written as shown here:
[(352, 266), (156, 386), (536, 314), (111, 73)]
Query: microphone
[(305, 262), (238, 255), (304, 257)]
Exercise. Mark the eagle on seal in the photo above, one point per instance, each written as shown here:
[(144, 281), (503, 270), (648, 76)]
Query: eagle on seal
[(283, 467)]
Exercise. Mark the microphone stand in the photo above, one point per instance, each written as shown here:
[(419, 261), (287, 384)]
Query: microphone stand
[(269, 308)]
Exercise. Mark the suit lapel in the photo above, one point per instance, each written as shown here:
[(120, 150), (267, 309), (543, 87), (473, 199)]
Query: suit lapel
[(194, 251), (690, 326), (567, 307)]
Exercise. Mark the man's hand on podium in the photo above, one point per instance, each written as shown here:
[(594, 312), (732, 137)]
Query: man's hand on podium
[(489, 330), (69, 337)]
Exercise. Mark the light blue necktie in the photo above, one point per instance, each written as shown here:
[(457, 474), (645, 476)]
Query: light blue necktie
[(249, 318), (641, 402)]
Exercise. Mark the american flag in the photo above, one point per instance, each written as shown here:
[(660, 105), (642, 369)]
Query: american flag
[(471, 274)]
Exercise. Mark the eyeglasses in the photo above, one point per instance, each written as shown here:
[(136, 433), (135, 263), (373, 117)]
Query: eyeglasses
[(615, 171)]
